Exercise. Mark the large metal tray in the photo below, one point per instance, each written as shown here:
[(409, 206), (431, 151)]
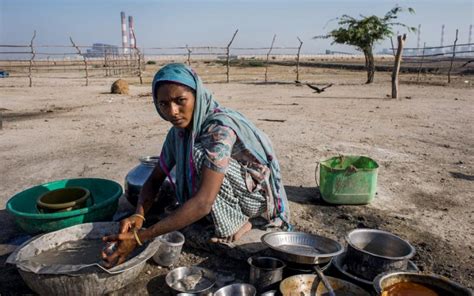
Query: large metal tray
[(301, 247)]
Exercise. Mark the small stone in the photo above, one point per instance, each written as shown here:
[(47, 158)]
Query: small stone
[(148, 272)]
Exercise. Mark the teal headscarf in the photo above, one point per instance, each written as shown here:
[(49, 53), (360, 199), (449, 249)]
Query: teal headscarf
[(207, 111)]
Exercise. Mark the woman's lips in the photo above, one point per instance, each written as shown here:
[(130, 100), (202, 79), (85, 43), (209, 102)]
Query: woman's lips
[(177, 121)]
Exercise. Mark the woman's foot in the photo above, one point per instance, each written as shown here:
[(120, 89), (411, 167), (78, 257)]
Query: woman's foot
[(236, 236)]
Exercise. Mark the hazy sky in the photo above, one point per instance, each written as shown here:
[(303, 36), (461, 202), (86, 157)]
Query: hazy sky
[(166, 23)]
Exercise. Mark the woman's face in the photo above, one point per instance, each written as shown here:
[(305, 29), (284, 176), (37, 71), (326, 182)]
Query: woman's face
[(176, 104)]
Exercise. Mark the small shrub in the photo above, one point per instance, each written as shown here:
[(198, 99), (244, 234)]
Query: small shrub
[(151, 63)]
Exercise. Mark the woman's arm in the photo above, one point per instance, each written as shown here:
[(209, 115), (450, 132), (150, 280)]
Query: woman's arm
[(145, 200), (150, 190), (194, 209)]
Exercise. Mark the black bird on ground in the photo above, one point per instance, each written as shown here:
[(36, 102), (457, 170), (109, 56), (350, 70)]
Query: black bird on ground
[(317, 89)]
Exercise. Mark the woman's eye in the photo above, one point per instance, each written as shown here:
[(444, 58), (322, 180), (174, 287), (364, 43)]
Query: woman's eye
[(181, 101), (162, 104)]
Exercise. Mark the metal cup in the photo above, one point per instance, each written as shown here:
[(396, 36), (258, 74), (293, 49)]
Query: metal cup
[(265, 272)]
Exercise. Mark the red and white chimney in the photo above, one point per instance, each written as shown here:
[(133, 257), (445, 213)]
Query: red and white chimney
[(131, 29), (124, 33)]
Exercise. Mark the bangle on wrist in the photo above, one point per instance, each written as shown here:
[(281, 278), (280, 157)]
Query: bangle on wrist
[(139, 216), (135, 234)]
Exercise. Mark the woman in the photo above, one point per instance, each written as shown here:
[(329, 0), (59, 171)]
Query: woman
[(224, 166)]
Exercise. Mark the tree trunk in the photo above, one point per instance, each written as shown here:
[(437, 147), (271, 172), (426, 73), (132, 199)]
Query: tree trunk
[(369, 65)]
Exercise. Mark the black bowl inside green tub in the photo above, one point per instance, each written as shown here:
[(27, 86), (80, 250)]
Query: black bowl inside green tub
[(100, 207)]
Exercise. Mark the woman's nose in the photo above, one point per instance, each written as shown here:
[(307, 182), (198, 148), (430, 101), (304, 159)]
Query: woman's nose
[(174, 109)]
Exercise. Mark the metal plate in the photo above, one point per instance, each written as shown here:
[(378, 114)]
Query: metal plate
[(340, 265), (303, 248)]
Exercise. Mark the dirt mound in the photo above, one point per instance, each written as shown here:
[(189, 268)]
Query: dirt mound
[(119, 87)]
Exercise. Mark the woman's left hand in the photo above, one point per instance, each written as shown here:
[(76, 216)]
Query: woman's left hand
[(126, 244)]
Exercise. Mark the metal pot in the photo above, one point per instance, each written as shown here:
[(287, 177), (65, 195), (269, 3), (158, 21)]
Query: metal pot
[(137, 176), (265, 272), (442, 285), (371, 252)]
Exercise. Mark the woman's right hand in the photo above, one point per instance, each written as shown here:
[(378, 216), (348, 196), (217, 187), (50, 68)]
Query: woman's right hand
[(131, 222)]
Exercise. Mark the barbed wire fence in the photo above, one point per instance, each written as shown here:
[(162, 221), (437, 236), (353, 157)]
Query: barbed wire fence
[(73, 62)]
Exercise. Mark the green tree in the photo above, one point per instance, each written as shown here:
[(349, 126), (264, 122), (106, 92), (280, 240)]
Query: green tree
[(363, 33)]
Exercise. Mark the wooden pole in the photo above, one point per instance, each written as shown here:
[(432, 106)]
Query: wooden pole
[(268, 56), (139, 57), (393, 47), (84, 58), (189, 55), (453, 56), (421, 62), (228, 55), (396, 68), (32, 58), (298, 60)]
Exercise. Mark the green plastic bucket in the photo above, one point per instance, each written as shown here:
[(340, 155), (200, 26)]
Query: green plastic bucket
[(104, 193), (347, 179)]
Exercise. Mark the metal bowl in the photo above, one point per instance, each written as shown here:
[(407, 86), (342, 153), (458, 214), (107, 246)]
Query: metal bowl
[(303, 248), (372, 251), (236, 290), (441, 284), (193, 279)]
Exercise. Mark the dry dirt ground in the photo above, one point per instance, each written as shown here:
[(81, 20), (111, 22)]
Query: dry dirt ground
[(423, 144)]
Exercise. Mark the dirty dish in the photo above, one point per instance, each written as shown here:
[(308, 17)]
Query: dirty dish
[(194, 279), (310, 285)]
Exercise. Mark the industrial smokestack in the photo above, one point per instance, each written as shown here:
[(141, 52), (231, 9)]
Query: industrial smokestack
[(131, 29), (124, 32)]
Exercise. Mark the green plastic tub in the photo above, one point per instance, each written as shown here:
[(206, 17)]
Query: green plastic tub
[(103, 205), (348, 179)]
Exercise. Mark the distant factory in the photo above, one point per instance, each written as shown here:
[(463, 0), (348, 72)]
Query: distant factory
[(100, 50)]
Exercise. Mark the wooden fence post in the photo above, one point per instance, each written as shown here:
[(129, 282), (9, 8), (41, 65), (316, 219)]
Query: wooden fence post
[(452, 58), (228, 55), (189, 55), (84, 58), (421, 62), (396, 67), (32, 57), (139, 57), (298, 60), (268, 56)]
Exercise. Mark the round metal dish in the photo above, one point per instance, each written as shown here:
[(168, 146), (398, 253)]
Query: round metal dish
[(339, 263), (302, 248), (443, 285), (202, 284)]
